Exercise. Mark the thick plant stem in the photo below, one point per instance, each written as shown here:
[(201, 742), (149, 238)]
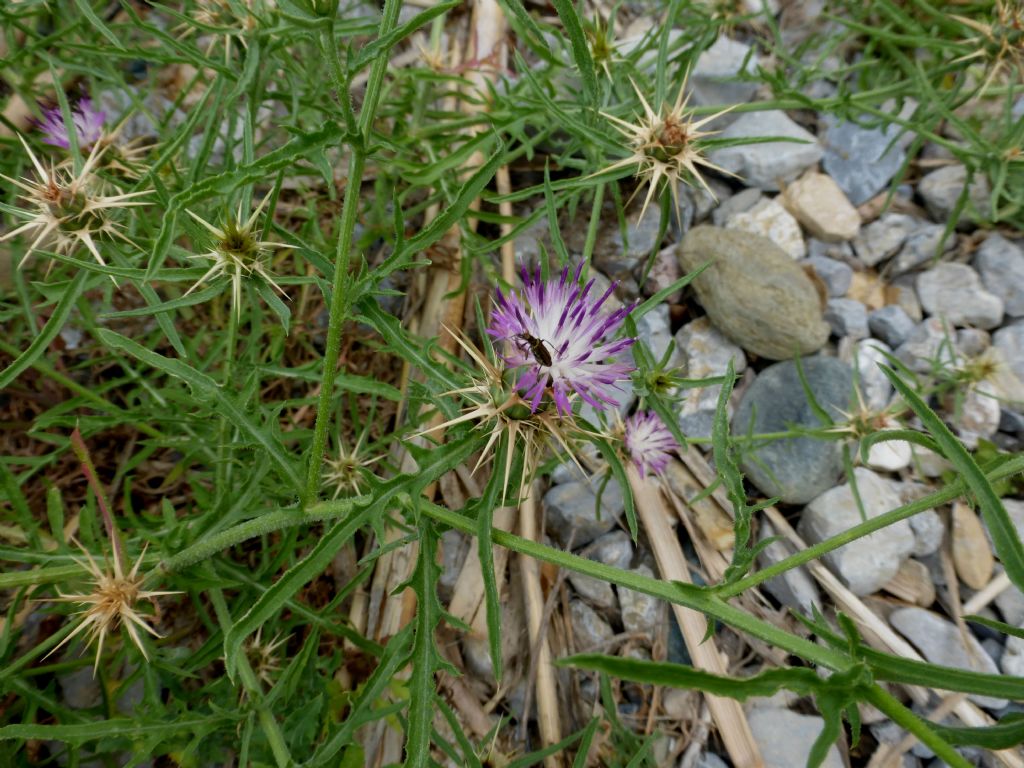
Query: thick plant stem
[(340, 301)]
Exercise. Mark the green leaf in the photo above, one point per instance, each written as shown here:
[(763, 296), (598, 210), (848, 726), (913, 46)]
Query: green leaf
[(97, 22), (49, 332), (382, 45), (207, 387), (1004, 534), (999, 626), (580, 48), (120, 727), (1006, 734)]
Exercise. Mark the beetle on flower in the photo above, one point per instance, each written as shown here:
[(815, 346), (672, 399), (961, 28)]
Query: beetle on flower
[(561, 340)]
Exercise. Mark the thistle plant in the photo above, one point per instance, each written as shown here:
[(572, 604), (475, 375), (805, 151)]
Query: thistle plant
[(112, 602), (647, 442), (65, 208), (666, 146), (87, 123), (559, 338), (238, 252)]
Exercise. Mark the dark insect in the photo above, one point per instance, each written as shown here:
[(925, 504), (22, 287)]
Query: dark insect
[(536, 347)]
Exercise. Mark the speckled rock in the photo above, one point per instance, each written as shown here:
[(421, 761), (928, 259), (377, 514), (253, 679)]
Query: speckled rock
[(796, 469), (954, 291), (615, 548), (754, 293), (764, 165), (770, 219), (640, 612), (821, 206), (941, 642), (865, 564), (590, 630)]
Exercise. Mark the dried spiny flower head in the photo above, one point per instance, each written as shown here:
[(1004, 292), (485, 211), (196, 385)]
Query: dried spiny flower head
[(504, 412), (648, 443), (666, 146), (66, 208), (1001, 42), (232, 19), (111, 603), (263, 656), (238, 252), (87, 123), (557, 335), (347, 470)]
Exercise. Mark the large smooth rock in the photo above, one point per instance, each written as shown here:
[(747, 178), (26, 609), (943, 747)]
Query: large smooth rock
[(867, 563), (862, 160), (954, 291), (941, 642), (796, 469), (754, 293), (785, 738), (765, 165)]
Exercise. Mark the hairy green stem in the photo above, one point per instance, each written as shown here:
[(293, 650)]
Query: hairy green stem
[(899, 714)]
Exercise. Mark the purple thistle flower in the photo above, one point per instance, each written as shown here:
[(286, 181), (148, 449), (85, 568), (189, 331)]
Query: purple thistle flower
[(558, 336), (87, 120), (648, 442)]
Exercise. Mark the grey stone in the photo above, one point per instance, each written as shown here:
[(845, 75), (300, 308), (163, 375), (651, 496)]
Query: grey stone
[(920, 247), (742, 201), (1010, 343), (972, 342), (795, 588), (978, 415), (663, 273), (572, 510), (777, 314), (1010, 421), (847, 317), (709, 760), (906, 297), (589, 629), (642, 613), (796, 469), (866, 564), (785, 738), (597, 593), (614, 548), (705, 352), (836, 275), (654, 331), (764, 165), (454, 548), (928, 532), (716, 77), (1001, 265), (941, 642), (875, 386), (862, 160), (955, 292), (942, 187), (80, 689), (891, 324), (883, 237), (933, 340), (1012, 661), (617, 258)]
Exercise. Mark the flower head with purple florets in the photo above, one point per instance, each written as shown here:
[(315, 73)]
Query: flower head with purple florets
[(648, 442), (558, 338), (88, 123)]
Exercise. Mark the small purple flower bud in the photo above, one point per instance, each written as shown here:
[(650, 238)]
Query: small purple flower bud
[(88, 124), (648, 442)]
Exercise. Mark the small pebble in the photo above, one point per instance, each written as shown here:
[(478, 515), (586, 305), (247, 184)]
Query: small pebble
[(821, 206), (1001, 265), (833, 273), (847, 317), (891, 324)]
